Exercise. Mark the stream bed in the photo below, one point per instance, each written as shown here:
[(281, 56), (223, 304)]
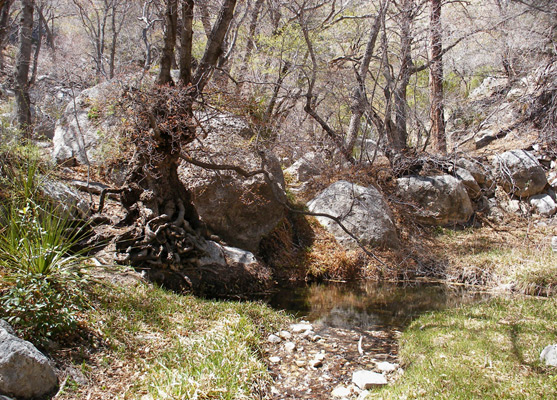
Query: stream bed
[(353, 327)]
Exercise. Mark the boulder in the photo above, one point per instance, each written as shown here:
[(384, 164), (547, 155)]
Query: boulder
[(520, 173), (543, 204), (439, 200), (78, 132), (478, 170), (363, 211), (240, 210), (68, 201), (305, 168), (472, 187), (24, 371)]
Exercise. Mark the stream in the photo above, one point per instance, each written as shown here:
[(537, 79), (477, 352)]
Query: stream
[(354, 327)]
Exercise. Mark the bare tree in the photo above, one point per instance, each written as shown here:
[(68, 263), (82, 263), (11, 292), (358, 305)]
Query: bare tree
[(171, 27), (436, 78), (22, 66), (5, 6)]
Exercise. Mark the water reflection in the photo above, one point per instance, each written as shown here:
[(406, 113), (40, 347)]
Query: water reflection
[(369, 305)]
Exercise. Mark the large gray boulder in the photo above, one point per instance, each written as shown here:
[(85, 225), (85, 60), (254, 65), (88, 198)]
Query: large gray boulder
[(24, 371), (520, 173), (68, 201), (83, 127), (438, 200), (305, 168), (543, 204), (240, 210), (363, 211)]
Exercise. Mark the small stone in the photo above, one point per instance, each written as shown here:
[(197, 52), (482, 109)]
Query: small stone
[(341, 391), (367, 379), (290, 347), (386, 366), (285, 335), (308, 334), (274, 360), (316, 363), (316, 338), (301, 327), (549, 355), (273, 339), (554, 243), (301, 363)]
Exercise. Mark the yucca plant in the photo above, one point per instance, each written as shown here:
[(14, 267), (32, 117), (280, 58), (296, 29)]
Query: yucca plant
[(41, 292)]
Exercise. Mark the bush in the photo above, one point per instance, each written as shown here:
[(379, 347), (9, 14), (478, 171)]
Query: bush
[(42, 274)]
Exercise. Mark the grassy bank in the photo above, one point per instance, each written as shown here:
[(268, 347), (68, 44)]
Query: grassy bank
[(486, 351), (145, 342)]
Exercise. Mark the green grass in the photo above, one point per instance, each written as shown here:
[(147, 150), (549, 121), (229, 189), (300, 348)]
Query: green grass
[(486, 351), (174, 346)]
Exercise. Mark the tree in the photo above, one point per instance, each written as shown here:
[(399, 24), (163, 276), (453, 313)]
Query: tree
[(171, 27), (436, 78), (5, 6), (22, 66), (158, 203)]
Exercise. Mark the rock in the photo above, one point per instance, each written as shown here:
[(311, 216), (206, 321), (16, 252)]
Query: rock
[(24, 371), (229, 271), (472, 187), (489, 86), (4, 325), (290, 347), (301, 327), (274, 360), (239, 210), (285, 335), (274, 339), (305, 168), (367, 379), (68, 201), (478, 170), (386, 366), (543, 204), (316, 363), (554, 243), (440, 200), (78, 132), (363, 211), (549, 355), (514, 206), (341, 391), (520, 173)]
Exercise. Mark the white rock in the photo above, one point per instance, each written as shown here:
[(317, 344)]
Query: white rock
[(386, 366), (285, 335), (554, 243), (341, 391), (549, 355), (363, 394), (274, 360), (368, 379), (543, 204), (274, 339), (301, 327), (290, 347)]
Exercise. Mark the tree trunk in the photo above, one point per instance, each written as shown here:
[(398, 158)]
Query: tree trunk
[(5, 6), (436, 79), (250, 43), (186, 42), (359, 102), (23, 61), (214, 47), (169, 42), (37, 50)]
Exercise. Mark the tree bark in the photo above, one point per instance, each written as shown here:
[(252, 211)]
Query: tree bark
[(436, 79), (186, 42), (23, 61), (358, 106), (214, 46), (37, 49), (5, 6), (169, 42)]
